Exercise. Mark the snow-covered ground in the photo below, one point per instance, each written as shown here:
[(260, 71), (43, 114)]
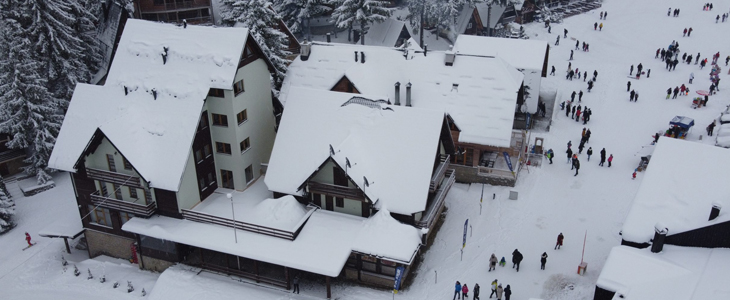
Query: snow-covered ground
[(551, 200)]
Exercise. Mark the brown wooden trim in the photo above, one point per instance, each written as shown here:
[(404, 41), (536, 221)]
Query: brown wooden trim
[(201, 217), (336, 191), (145, 210)]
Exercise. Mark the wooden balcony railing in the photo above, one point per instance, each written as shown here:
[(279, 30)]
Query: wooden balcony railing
[(202, 217), (438, 175), (139, 209), (431, 213), (172, 5), (336, 190), (251, 276), (114, 177)]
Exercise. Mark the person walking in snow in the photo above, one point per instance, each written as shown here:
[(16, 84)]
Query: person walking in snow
[(669, 11), (600, 27), (595, 26), (500, 291), (507, 292), (503, 262), (572, 97), (601, 16), (580, 96), (567, 109), (603, 157), (565, 33), (589, 152), (570, 154), (590, 85), (676, 91), (494, 288), (610, 159), (636, 97), (711, 128), (295, 281), (628, 85), (631, 95), (588, 132), (595, 75), (727, 59), (648, 73), (492, 262), (572, 115), (669, 92), (476, 291), (516, 259), (717, 19), (697, 58), (577, 43), (543, 260), (585, 75), (577, 114), (571, 55), (576, 164), (631, 70), (684, 33), (464, 291), (557, 41), (457, 290), (553, 71), (559, 242)]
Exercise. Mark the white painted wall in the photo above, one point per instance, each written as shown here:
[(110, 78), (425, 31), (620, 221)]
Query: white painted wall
[(98, 160), (188, 195)]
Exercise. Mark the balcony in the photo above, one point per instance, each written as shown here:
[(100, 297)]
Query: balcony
[(139, 209), (335, 190), (173, 5), (437, 200), (114, 177), (438, 175)]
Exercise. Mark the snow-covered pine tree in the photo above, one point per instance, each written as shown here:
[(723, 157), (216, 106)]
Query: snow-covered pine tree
[(262, 21), (297, 13), (7, 208), (360, 12), (85, 12), (28, 111)]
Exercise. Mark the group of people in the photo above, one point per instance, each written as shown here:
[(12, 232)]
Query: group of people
[(578, 112), (686, 32), (462, 291), (675, 14)]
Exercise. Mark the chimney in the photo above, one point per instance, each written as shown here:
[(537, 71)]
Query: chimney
[(660, 233), (185, 23), (305, 50), (397, 93), (355, 56), (450, 57), (329, 39), (126, 90), (362, 57), (408, 94), (716, 206), (425, 49), (154, 93)]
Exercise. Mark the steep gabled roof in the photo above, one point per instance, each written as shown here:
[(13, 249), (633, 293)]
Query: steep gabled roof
[(393, 146), (385, 33), (149, 109), (522, 54)]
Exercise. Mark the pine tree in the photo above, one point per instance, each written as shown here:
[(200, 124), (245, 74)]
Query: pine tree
[(262, 22), (85, 12), (7, 208), (28, 111), (297, 13), (360, 12)]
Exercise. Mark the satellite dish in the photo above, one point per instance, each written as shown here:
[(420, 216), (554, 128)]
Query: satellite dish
[(332, 150), (367, 184), (347, 162)]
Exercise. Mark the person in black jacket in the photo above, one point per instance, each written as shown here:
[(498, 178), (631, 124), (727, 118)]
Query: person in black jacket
[(576, 164), (543, 260), (603, 157), (507, 292), (476, 291), (570, 154), (516, 259)]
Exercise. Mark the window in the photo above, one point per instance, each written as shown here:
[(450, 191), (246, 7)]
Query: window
[(206, 151), (100, 216), (147, 196), (216, 93), (133, 192), (127, 165), (157, 244), (211, 178), (110, 161), (220, 120), (226, 179), (203, 121), (104, 191), (245, 144), (124, 217), (249, 173), (199, 156), (201, 183), (339, 202), (468, 26), (387, 267), (223, 148), (242, 117), (117, 191), (158, 2), (368, 263), (238, 87)]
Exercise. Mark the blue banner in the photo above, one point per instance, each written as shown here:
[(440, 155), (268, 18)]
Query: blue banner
[(509, 162), (398, 277), (466, 225)]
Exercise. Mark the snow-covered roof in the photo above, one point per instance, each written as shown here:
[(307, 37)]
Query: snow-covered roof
[(482, 9), (677, 273), (681, 184), (154, 135), (385, 33), (522, 54), (372, 138), (106, 34), (482, 105), (322, 246)]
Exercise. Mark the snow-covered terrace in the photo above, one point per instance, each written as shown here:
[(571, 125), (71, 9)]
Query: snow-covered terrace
[(677, 273), (479, 93), (681, 184)]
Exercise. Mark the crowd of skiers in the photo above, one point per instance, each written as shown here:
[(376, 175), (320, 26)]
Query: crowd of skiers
[(462, 291), (576, 112)]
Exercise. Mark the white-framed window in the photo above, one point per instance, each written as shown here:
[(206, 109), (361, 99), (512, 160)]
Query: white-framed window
[(100, 216)]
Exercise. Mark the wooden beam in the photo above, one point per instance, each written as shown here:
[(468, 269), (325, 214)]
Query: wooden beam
[(288, 280), (68, 249), (329, 290)]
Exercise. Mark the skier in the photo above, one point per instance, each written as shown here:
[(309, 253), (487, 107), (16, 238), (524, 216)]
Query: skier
[(516, 259), (464, 291), (565, 33), (570, 155), (691, 77), (603, 157), (27, 239), (589, 152), (633, 176), (476, 291), (631, 96), (457, 290), (494, 288), (500, 291), (610, 159), (560, 241), (580, 96), (577, 166), (553, 71), (507, 292), (492, 262), (543, 260)]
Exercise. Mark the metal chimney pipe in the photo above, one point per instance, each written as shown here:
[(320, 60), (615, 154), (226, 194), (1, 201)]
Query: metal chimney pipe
[(660, 233), (397, 93), (425, 50), (329, 39), (355, 56), (715, 210), (362, 57), (408, 94)]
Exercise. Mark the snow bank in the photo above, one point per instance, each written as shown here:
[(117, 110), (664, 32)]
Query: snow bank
[(282, 210), (382, 234)]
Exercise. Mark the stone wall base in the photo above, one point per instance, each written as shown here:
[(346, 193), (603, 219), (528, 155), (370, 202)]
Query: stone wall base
[(101, 243)]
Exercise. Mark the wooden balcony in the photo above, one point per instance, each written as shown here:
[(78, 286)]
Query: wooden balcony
[(172, 5), (202, 217), (437, 200), (438, 175), (336, 190), (139, 209), (114, 177)]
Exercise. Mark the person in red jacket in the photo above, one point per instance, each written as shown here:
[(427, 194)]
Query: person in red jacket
[(464, 292), (560, 241), (27, 239)]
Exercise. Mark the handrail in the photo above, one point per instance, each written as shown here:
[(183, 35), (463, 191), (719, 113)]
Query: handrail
[(428, 219), (114, 177), (202, 217), (145, 210), (439, 173), (335, 190)]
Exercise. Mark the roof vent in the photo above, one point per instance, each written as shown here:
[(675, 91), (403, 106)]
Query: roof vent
[(126, 90), (449, 58), (408, 94), (185, 23), (425, 49), (164, 54), (355, 56), (154, 94), (362, 56), (660, 233), (455, 87), (397, 93), (716, 206), (305, 50)]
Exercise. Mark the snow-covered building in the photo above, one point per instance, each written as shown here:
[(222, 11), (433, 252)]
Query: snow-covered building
[(479, 94), (389, 33), (480, 18), (175, 11), (529, 57), (184, 111), (676, 211)]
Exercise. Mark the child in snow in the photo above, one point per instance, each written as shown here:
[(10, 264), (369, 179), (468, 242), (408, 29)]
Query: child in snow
[(610, 159), (27, 239), (503, 262), (633, 176)]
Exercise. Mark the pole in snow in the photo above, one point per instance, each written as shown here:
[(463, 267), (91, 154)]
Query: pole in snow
[(233, 212), (584, 247), (437, 276)]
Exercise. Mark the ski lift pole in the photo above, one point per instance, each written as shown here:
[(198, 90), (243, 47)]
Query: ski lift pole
[(584, 247)]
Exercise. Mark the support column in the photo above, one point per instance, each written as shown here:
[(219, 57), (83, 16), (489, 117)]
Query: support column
[(329, 290), (68, 249), (256, 270), (288, 280)]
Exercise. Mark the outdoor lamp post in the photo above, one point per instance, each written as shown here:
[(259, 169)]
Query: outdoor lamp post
[(233, 212)]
